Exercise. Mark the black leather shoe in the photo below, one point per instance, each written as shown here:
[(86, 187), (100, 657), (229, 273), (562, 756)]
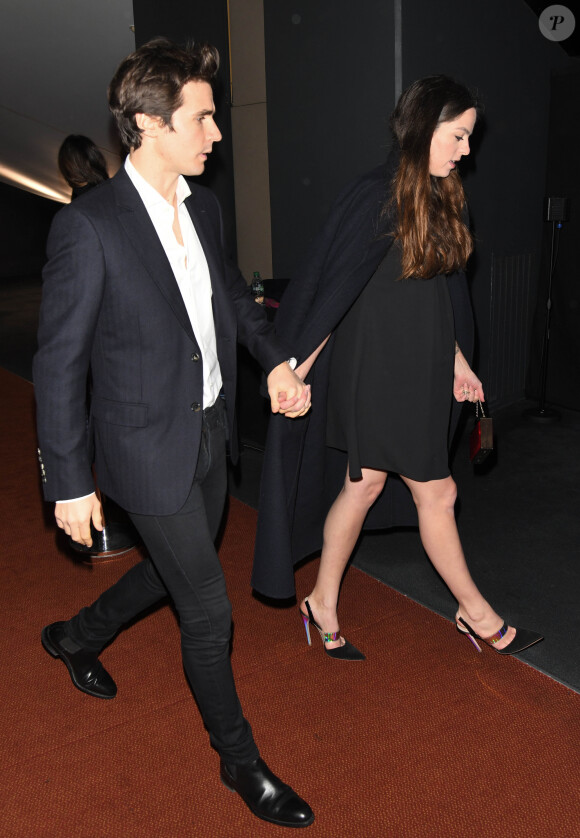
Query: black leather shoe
[(266, 795), (87, 672)]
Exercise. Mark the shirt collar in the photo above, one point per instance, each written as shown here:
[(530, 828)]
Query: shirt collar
[(149, 195)]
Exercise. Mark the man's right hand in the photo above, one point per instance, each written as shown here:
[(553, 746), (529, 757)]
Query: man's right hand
[(74, 517)]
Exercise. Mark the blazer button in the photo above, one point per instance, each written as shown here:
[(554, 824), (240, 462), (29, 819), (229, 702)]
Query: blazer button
[(195, 357), (196, 407)]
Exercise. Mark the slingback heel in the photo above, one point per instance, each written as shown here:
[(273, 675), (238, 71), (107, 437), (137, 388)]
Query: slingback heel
[(523, 640), (346, 652)]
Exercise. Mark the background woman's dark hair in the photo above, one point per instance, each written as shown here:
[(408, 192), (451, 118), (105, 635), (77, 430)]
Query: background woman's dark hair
[(430, 223), (151, 81), (81, 162)]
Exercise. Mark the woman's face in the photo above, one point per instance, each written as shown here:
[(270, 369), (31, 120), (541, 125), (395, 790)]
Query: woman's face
[(450, 141)]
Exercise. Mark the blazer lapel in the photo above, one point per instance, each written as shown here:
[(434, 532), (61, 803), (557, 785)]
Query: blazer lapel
[(206, 233), (139, 228)]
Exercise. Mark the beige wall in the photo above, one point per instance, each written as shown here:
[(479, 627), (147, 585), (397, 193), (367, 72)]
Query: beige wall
[(250, 140)]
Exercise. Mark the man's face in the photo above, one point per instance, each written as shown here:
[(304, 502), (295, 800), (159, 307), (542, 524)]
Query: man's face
[(184, 150)]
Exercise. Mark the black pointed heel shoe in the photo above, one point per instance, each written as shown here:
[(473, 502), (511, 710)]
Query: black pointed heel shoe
[(346, 652), (523, 640)]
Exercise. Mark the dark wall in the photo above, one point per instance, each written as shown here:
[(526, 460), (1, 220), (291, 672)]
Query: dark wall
[(26, 219), (200, 20), (563, 181), (330, 80), (330, 88)]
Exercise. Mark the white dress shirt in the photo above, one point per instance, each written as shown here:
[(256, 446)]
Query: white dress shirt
[(190, 269)]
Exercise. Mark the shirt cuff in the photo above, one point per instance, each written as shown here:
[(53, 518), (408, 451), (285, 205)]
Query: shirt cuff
[(72, 500)]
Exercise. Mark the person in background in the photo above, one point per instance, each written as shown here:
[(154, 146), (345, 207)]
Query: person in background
[(381, 303), (138, 287), (81, 163)]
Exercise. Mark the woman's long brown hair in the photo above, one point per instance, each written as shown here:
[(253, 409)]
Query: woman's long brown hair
[(429, 211)]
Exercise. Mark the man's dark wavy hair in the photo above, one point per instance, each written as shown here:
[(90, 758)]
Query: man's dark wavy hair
[(151, 81)]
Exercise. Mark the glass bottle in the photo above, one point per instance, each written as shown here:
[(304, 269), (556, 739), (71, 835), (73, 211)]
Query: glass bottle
[(258, 288)]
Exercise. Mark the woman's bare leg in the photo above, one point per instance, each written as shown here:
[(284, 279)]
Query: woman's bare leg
[(435, 501), (341, 530)]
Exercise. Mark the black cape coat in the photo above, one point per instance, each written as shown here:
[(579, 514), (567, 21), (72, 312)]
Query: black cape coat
[(301, 476)]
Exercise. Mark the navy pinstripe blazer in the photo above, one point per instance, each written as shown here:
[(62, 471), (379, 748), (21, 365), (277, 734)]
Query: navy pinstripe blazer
[(111, 304)]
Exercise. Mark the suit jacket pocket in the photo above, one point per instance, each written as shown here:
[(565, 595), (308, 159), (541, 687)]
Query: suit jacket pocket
[(127, 414)]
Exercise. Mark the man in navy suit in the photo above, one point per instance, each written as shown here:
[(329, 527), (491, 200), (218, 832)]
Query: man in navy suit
[(138, 289)]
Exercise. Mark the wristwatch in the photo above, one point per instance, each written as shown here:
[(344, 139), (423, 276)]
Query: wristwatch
[(292, 362)]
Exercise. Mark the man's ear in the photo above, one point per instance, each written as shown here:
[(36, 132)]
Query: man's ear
[(148, 125)]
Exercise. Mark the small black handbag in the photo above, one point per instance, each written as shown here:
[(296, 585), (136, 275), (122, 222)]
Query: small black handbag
[(481, 437)]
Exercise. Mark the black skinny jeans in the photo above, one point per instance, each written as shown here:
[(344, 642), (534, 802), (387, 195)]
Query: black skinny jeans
[(185, 564)]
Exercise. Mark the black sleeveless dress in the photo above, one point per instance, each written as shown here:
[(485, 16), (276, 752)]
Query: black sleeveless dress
[(391, 378)]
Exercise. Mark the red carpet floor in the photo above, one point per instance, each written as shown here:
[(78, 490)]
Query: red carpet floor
[(426, 738)]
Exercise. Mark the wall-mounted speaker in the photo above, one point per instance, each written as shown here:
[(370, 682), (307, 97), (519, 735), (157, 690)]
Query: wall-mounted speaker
[(556, 209)]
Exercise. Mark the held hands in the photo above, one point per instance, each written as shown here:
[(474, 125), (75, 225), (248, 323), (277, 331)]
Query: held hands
[(74, 517), (466, 385), (288, 393)]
